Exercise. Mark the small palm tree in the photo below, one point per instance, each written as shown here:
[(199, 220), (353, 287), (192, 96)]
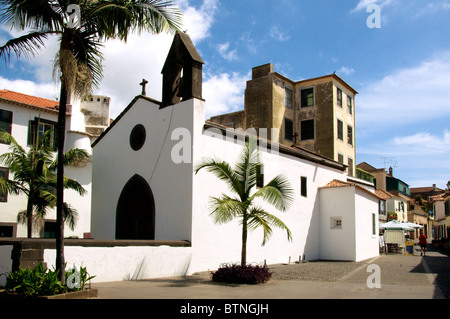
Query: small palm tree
[(78, 63), (34, 175), (241, 181)]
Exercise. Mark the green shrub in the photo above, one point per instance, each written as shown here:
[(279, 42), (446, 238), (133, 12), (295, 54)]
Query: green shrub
[(41, 281)]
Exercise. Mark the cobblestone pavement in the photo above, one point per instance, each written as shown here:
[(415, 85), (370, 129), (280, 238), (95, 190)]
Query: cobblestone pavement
[(401, 277)]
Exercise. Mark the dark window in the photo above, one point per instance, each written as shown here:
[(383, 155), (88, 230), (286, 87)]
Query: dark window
[(260, 176), (350, 167), (307, 97), (4, 172), (374, 224), (339, 97), (288, 98), (307, 130), (341, 158), (350, 135), (303, 186), (39, 127), (349, 104), (288, 130), (137, 137), (50, 229), (6, 231), (5, 122), (340, 130)]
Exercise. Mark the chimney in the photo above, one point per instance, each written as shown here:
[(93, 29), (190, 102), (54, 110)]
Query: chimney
[(434, 187), (391, 171)]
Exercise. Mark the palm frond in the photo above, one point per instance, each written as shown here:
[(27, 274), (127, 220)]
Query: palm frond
[(248, 164), (11, 187), (118, 18), (223, 171), (70, 215), (258, 217), (277, 192), (27, 45), (225, 209), (36, 14), (74, 156)]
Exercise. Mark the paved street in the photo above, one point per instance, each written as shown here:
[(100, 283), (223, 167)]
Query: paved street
[(401, 277)]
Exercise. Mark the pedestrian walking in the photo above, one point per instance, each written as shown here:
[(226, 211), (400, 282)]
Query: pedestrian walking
[(422, 244)]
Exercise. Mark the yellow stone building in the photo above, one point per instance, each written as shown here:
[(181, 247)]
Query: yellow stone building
[(317, 114)]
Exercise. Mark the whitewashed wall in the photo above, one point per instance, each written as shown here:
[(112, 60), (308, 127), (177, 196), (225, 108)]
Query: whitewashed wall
[(367, 245), (337, 243), (115, 162), (9, 210), (354, 241), (215, 244), (125, 263), (5, 262)]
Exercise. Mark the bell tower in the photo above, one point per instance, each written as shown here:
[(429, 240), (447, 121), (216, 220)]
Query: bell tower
[(182, 72)]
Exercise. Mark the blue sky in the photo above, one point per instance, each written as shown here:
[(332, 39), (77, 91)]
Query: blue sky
[(401, 70)]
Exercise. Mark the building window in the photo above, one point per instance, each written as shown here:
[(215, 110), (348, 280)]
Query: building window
[(8, 229), (5, 122), (341, 158), (349, 135), (339, 97), (335, 222), (303, 186), (340, 130), (288, 130), (350, 166), (307, 97), (374, 224), (307, 130), (50, 229), (288, 98), (39, 127), (4, 173), (382, 205), (260, 176), (349, 104)]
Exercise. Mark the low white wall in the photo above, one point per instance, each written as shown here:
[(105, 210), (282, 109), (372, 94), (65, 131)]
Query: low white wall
[(125, 263), (5, 262)]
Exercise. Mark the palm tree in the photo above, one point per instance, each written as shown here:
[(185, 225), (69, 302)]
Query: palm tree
[(241, 180), (78, 64), (34, 175)]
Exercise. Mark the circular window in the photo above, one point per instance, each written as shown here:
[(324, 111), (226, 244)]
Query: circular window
[(137, 137)]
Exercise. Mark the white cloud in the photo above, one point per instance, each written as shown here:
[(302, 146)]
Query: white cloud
[(224, 92), (345, 70), (46, 90), (421, 159), (407, 96), (363, 4), (278, 35), (125, 64), (227, 54)]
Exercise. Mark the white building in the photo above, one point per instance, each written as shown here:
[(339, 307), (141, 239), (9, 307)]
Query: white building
[(19, 115), (148, 189)]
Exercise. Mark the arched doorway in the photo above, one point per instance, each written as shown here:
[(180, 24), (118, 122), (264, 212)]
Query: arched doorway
[(135, 215)]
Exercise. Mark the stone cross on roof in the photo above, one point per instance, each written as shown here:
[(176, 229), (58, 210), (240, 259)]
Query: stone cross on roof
[(143, 83)]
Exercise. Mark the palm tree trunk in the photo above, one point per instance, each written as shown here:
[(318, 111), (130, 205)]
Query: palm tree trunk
[(244, 243), (60, 262), (29, 217)]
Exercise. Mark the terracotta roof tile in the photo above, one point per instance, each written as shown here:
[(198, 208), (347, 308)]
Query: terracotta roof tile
[(337, 183), (29, 100), (383, 194)]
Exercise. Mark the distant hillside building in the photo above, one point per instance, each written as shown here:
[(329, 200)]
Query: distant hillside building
[(317, 114)]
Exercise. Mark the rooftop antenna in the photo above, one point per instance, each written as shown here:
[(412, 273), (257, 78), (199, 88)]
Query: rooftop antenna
[(391, 160)]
